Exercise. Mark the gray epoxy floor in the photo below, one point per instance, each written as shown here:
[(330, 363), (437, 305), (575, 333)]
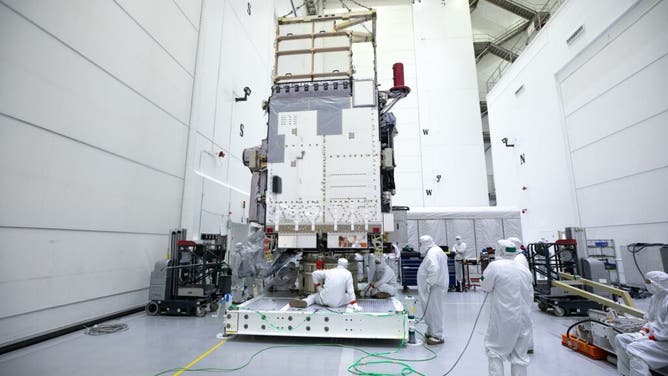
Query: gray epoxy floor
[(154, 344)]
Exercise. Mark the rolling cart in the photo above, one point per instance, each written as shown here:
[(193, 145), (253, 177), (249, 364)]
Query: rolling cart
[(409, 263), (546, 261)]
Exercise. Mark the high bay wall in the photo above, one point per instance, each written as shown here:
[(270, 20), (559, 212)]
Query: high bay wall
[(106, 109), (439, 149), (586, 111)]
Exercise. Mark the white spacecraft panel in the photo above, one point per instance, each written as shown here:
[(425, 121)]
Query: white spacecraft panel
[(326, 179), (301, 170), (352, 172)]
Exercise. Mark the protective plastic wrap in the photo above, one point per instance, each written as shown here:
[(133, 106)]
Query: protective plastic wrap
[(251, 272), (479, 227), (463, 212), (488, 232), (328, 100), (247, 265), (461, 227), (413, 234), (435, 228), (513, 228)]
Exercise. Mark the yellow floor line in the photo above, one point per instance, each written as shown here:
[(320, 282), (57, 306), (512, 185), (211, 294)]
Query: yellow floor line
[(204, 355)]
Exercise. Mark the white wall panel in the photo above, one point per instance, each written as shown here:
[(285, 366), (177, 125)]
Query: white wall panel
[(637, 199), (234, 52), (69, 267), (532, 120), (114, 42), (256, 24), (452, 65), (235, 74), (35, 323), (95, 108), (434, 15), (205, 102), (191, 10), (615, 109), (165, 23), (95, 105), (448, 105), (649, 44), (620, 165), (216, 198), (214, 223), (61, 183), (628, 152)]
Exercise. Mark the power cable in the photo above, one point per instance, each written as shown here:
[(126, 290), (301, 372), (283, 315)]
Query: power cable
[(361, 5), (102, 329), (475, 324), (295, 10), (345, 6), (635, 248)]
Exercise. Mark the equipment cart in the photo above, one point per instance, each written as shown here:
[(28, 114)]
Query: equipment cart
[(546, 261), (409, 263)]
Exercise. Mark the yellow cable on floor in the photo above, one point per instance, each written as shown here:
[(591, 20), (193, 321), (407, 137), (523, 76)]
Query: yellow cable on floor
[(204, 355)]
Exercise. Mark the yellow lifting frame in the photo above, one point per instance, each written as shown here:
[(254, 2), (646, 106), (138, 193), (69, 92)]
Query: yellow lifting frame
[(569, 283)]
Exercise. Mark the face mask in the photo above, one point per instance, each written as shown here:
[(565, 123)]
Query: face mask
[(423, 249), (650, 287)]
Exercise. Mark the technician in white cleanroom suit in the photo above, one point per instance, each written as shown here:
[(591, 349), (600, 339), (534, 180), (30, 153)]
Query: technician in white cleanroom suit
[(638, 352), (383, 284), (335, 288), (522, 260), (432, 279), (461, 253), (511, 293)]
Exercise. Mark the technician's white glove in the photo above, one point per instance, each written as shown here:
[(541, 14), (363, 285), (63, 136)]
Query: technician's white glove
[(356, 307)]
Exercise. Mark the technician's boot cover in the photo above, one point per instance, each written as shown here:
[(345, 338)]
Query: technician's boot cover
[(434, 341), (297, 303), (381, 295)]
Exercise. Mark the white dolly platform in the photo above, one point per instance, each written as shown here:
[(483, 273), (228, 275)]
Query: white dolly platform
[(265, 315)]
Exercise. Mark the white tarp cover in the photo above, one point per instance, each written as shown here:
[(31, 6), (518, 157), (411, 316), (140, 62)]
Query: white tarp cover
[(435, 228), (512, 228), (470, 212), (413, 235), (479, 227), (487, 232)]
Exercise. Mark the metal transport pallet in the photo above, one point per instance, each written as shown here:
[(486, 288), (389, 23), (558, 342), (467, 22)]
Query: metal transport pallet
[(267, 315)]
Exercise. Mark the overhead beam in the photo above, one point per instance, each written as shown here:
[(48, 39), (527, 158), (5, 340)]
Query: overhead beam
[(367, 14)]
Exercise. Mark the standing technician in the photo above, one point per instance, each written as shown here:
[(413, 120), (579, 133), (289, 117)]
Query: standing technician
[(521, 259), (511, 293), (461, 253), (432, 279)]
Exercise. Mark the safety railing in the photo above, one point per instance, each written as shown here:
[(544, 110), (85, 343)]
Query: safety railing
[(499, 39), (543, 14)]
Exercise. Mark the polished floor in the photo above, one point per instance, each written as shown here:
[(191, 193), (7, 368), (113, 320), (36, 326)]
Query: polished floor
[(164, 345)]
